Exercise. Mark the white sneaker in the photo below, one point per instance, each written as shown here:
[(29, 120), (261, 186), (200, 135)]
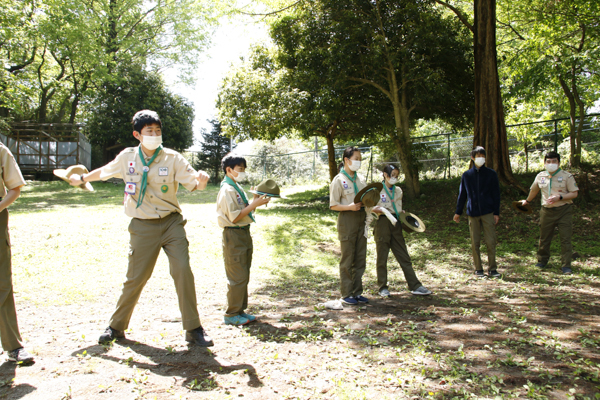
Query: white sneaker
[(384, 293), (421, 291)]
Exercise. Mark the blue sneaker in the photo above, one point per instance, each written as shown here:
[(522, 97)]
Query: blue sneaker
[(361, 299), (350, 300), (249, 317), (237, 320)]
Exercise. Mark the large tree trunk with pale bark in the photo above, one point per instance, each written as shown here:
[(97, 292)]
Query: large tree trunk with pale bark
[(490, 129), (333, 168)]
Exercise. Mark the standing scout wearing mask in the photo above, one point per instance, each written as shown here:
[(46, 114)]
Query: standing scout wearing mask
[(351, 227), (152, 175), (480, 189), (558, 189), (389, 236)]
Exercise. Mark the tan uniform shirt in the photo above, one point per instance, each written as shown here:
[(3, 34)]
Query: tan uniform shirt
[(10, 176), (167, 171), (561, 183), (229, 205), (341, 190), (385, 201)]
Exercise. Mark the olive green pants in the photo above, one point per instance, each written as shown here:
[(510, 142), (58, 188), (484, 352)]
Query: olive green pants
[(550, 218), (353, 243), (237, 253), (9, 328), (485, 224), (388, 236), (146, 238)]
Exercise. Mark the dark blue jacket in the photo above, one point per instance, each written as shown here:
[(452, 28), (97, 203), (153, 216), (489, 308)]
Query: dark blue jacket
[(481, 190)]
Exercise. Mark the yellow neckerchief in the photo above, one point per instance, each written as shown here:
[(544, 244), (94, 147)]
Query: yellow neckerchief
[(391, 197), (351, 180), (550, 183)]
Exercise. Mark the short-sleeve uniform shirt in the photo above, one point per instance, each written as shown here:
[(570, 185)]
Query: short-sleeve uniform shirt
[(341, 190), (167, 171), (386, 202), (561, 183), (229, 205), (10, 176)]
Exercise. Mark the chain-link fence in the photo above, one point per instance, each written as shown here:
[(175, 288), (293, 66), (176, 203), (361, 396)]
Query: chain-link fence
[(440, 156)]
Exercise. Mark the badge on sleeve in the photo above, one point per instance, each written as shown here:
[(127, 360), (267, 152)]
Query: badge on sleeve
[(239, 198), (130, 188), (131, 164), (163, 171), (383, 198), (344, 184), (542, 180)]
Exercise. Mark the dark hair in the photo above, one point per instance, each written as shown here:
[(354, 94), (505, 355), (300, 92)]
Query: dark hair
[(232, 160), (144, 118), (389, 168), (552, 154), (477, 150)]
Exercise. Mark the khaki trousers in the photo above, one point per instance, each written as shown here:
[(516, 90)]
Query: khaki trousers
[(550, 218), (9, 328), (237, 253), (485, 224), (388, 236), (353, 243), (147, 237)]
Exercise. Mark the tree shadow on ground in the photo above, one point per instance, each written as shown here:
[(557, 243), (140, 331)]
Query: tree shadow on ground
[(196, 364), (7, 375)]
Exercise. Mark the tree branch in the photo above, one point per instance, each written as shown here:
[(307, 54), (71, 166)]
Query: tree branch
[(509, 26), (272, 12), (459, 14)]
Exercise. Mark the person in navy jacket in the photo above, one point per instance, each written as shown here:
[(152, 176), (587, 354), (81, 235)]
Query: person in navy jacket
[(480, 189)]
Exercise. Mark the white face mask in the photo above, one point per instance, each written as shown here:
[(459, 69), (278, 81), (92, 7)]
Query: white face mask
[(392, 181), (551, 167), (479, 161), (240, 176), (151, 142), (354, 165)]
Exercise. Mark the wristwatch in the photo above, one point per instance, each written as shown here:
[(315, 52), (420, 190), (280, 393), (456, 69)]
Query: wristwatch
[(560, 196), (81, 178)]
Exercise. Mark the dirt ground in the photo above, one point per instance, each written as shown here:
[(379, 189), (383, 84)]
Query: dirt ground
[(533, 335)]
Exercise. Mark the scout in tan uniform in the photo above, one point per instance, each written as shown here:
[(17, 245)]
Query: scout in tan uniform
[(351, 227), (389, 236), (12, 180), (234, 215), (558, 189), (152, 176)]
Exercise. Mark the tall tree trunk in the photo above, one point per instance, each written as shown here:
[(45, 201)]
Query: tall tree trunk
[(490, 128), (572, 117), (333, 168), (577, 156)]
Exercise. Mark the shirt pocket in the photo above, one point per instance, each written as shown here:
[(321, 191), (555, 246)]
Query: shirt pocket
[(348, 192), (165, 185)]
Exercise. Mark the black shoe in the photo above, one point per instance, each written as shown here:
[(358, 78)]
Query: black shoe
[(541, 265), (495, 274), (479, 273), (199, 337), (109, 335), (20, 355), (566, 271)]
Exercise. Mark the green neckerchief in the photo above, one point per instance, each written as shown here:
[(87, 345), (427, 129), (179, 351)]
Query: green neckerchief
[(145, 175), (230, 182), (351, 180), (550, 183), (391, 197)]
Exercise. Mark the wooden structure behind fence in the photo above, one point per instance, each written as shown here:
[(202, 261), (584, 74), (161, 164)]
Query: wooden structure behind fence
[(42, 148)]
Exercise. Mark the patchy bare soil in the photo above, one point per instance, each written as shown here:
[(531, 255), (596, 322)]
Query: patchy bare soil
[(532, 334)]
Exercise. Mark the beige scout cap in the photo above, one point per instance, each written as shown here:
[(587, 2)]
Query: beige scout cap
[(369, 195), (411, 223), (517, 205), (65, 174), (267, 187)]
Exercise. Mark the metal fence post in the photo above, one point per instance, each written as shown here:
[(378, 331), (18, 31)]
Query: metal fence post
[(449, 176), (555, 135), (264, 166)]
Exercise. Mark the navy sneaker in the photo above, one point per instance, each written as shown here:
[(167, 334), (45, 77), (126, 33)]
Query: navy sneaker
[(479, 273), (109, 335), (495, 274), (350, 301), (541, 265), (566, 271), (361, 299), (199, 337)]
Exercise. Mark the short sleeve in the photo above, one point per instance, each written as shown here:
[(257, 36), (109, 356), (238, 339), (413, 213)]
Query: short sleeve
[(11, 174), (335, 193), (227, 203), (184, 173), (571, 184), (534, 185), (112, 169)]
